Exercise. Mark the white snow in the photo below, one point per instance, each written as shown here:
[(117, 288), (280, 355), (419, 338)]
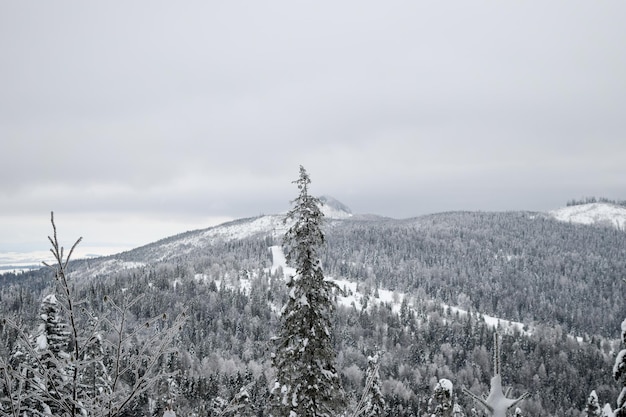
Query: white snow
[(50, 298), (496, 398), (621, 398), (272, 224), (227, 232), (203, 278), (334, 209), (607, 411), (594, 213), (619, 361), (446, 384), (42, 342), (279, 261), (333, 213), (494, 322)]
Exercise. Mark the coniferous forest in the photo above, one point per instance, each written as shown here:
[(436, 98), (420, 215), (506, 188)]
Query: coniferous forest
[(216, 299)]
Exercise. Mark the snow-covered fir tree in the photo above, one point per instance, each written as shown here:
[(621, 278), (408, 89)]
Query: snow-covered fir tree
[(40, 363), (53, 335), (457, 411), (592, 408), (50, 363), (441, 403), (307, 382), (619, 373), (240, 406)]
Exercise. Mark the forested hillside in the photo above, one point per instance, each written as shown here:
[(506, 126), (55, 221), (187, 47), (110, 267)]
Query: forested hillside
[(561, 280), (520, 266)]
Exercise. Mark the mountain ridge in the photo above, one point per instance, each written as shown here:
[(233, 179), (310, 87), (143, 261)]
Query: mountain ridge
[(430, 290), (528, 251)]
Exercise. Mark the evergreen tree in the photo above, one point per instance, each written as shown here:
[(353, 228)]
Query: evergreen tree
[(48, 359), (53, 335), (619, 373), (40, 363), (593, 409), (307, 382), (457, 411), (372, 403), (441, 402)]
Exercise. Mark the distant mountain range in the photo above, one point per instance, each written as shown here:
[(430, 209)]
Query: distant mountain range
[(594, 214)]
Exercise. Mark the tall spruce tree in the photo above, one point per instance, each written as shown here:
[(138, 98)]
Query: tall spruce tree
[(619, 373), (307, 382)]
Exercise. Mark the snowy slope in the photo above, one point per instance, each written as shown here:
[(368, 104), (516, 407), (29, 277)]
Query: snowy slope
[(185, 243), (236, 230), (269, 225), (334, 209), (352, 297), (594, 213), (194, 241)]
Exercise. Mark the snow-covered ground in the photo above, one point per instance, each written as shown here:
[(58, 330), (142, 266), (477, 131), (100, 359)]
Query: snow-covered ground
[(227, 232), (594, 213)]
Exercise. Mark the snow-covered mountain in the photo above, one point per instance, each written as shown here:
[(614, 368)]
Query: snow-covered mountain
[(268, 225), (334, 209), (193, 243), (427, 289), (593, 214)]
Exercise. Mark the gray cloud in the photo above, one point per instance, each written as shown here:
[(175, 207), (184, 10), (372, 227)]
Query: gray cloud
[(205, 109)]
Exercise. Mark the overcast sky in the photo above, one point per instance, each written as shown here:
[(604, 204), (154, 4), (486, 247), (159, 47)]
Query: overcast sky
[(137, 120)]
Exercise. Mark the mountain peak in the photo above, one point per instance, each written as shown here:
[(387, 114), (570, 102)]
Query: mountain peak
[(593, 213), (334, 209)]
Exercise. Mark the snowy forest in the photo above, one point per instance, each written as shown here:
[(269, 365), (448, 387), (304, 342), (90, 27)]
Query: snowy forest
[(453, 314)]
